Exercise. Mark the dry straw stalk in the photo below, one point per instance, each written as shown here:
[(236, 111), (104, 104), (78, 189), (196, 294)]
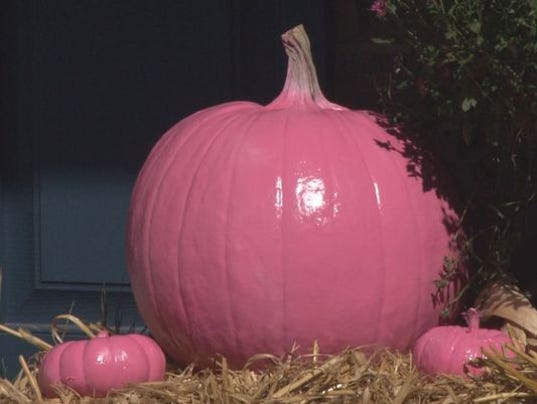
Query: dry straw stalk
[(350, 377)]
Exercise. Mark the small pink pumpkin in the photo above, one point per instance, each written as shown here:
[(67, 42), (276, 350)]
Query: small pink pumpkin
[(449, 349), (94, 367)]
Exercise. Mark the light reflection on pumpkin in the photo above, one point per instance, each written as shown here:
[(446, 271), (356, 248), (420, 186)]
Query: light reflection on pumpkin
[(278, 203), (310, 195)]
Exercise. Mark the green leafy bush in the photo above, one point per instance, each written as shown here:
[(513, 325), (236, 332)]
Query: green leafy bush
[(465, 82)]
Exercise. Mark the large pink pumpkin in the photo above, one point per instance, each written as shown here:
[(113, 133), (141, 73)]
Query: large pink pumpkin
[(255, 227)]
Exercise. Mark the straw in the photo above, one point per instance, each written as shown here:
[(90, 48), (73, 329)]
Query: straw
[(314, 377)]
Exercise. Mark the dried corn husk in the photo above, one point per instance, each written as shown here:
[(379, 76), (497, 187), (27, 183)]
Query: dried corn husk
[(506, 301)]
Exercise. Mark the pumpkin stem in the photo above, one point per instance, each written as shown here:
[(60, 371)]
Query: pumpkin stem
[(472, 319), (301, 84), (102, 334)]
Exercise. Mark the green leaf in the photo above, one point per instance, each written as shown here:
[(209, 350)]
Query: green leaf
[(475, 26), (441, 283), (445, 313), (382, 41), (468, 104)]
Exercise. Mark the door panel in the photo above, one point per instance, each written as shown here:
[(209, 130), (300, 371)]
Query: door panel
[(88, 88), (98, 88)]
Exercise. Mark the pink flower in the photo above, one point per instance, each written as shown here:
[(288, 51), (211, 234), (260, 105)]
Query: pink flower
[(379, 7)]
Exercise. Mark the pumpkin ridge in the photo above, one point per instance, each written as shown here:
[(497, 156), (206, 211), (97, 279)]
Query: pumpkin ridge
[(85, 359), (421, 348), (283, 221), (161, 147), (148, 221), (200, 157), (154, 157), (153, 198), (371, 121), (149, 363), (54, 373), (346, 129), (453, 365), (114, 346), (237, 151), (414, 214)]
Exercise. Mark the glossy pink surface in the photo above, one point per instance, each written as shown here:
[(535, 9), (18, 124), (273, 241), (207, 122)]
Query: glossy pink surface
[(255, 227), (94, 367), (448, 349)]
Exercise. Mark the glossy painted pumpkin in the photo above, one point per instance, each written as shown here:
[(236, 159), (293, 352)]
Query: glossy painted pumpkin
[(255, 227), (449, 349), (94, 367)]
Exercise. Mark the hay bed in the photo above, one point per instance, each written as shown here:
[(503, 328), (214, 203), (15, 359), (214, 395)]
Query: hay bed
[(350, 377)]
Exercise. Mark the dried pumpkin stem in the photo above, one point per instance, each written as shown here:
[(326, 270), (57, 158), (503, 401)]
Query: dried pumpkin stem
[(472, 319), (301, 84), (301, 67)]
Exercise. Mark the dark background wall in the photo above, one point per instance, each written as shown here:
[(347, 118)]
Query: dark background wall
[(88, 87)]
